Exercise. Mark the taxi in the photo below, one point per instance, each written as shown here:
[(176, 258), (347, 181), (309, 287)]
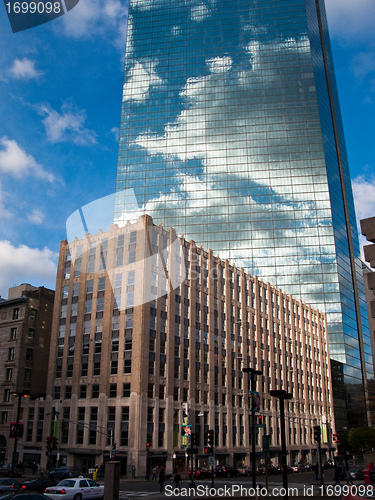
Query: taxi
[(78, 488)]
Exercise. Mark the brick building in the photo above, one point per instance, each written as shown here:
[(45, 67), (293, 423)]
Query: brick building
[(25, 332)]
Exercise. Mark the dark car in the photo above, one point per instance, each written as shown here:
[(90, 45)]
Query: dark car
[(6, 484), (6, 470), (328, 465), (201, 473), (64, 472), (23, 495), (38, 484), (226, 471)]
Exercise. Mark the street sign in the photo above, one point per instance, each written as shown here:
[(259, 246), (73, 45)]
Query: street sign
[(211, 461)]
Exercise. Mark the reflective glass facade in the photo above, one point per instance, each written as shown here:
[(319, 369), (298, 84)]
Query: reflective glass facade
[(231, 133)]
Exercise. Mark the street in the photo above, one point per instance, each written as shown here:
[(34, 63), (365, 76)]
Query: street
[(301, 485)]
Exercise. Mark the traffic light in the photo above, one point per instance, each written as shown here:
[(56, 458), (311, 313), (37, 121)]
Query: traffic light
[(194, 441), (210, 442), (114, 449), (317, 433), (54, 443), (336, 438), (259, 419), (49, 444)]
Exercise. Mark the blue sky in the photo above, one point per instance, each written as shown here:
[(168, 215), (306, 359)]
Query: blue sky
[(60, 86)]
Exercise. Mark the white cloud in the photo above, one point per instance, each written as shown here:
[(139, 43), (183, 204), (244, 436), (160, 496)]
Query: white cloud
[(15, 161), (36, 216), (363, 64), (105, 18), (23, 264), (24, 69), (351, 21), (67, 125), (364, 196)]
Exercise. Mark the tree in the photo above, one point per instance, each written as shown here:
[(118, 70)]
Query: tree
[(362, 439)]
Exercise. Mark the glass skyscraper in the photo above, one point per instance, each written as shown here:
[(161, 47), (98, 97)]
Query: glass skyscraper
[(231, 133)]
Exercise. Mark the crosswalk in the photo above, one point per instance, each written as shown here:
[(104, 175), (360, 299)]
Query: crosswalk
[(135, 494)]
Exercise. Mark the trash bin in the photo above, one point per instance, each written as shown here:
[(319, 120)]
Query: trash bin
[(366, 476), (95, 474), (130, 471)]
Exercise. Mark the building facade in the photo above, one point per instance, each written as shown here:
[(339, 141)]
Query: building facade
[(231, 133), (145, 321), (25, 332)]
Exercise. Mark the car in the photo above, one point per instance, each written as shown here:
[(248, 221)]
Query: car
[(357, 473), (329, 464), (245, 471), (226, 471), (288, 469), (299, 468), (64, 472), (23, 495), (75, 488), (201, 473), (38, 484), (6, 470), (6, 483)]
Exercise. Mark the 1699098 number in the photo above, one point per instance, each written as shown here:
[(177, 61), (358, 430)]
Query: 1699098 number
[(34, 7), (345, 490)]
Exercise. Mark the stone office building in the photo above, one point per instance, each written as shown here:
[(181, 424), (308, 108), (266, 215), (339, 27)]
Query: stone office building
[(145, 321)]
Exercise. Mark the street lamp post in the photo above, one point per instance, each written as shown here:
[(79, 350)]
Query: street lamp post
[(16, 435), (282, 396), (253, 374)]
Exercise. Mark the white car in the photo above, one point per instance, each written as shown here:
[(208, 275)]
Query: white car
[(75, 488)]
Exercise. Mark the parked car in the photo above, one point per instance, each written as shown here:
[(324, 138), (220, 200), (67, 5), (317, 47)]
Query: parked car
[(201, 473), (77, 488), (39, 484), (226, 471), (329, 464), (357, 473), (64, 472), (5, 484), (6, 470)]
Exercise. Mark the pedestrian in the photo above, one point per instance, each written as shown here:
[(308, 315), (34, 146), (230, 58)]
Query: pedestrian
[(316, 470), (177, 479), (154, 473), (349, 478), (161, 479), (101, 471), (338, 474)]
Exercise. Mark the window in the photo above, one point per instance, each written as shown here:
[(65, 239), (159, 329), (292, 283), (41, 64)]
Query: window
[(112, 390), (90, 286), (4, 417), (11, 353), (13, 334), (68, 392), (33, 314), (6, 397), (126, 390), (127, 365), (56, 392), (101, 285), (29, 354), (31, 334), (95, 391), (9, 374), (27, 375), (16, 313), (96, 368)]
